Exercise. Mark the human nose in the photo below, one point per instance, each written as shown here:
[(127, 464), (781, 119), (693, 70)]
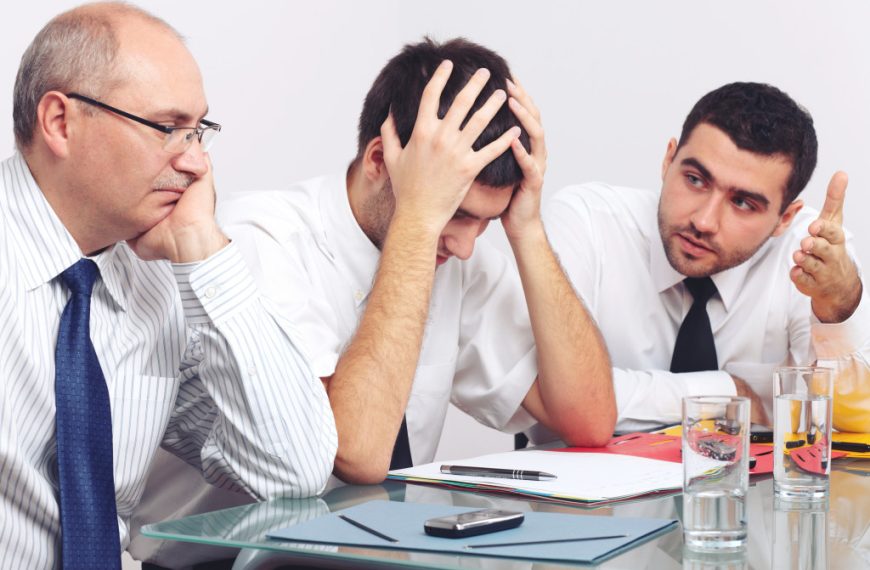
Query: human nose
[(706, 216), (192, 160), (459, 240)]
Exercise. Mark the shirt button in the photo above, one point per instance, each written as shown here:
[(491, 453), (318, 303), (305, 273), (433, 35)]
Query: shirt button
[(359, 296), (211, 292), (252, 370)]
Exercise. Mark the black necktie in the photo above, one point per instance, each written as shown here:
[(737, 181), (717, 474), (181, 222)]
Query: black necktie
[(695, 350), (88, 518), (402, 450)]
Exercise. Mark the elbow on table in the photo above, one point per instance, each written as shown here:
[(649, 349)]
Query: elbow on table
[(361, 468), (594, 431)]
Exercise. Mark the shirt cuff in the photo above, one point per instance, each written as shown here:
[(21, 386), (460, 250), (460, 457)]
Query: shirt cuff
[(832, 341), (216, 288), (708, 383)]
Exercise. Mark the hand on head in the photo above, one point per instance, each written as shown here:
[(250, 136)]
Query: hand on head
[(824, 271), (431, 175), (525, 207)]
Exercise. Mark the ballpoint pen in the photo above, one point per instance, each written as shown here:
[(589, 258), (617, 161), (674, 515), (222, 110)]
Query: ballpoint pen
[(471, 471), (854, 447)]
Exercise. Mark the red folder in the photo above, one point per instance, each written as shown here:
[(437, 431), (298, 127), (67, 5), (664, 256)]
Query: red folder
[(669, 448)]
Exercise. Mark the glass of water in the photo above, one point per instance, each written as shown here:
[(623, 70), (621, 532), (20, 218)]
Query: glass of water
[(715, 472), (802, 411)]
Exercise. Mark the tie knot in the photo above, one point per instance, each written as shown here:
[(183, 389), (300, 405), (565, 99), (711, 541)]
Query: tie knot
[(701, 288), (80, 276)]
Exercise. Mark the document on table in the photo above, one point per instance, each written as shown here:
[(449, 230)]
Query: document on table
[(580, 477), (542, 536)]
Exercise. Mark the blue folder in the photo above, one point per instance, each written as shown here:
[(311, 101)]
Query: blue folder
[(404, 522)]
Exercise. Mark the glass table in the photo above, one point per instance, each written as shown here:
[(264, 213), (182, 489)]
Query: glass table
[(781, 535)]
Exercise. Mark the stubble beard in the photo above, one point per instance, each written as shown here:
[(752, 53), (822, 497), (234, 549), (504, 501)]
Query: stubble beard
[(377, 213), (693, 267)]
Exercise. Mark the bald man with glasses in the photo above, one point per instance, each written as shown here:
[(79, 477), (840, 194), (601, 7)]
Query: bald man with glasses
[(129, 320)]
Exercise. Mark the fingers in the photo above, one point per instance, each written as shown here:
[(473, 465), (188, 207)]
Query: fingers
[(494, 149), (390, 139), (431, 99), (528, 165), (831, 231), (808, 263), (518, 92), (804, 281), (817, 246), (833, 208), (465, 99), (481, 118), (533, 127)]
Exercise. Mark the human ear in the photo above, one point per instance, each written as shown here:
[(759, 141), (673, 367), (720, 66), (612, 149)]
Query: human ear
[(787, 217), (52, 123), (669, 157), (373, 166)]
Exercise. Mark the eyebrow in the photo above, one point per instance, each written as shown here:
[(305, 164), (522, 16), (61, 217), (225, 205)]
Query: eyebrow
[(739, 192), (179, 115), (696, 164), (465, 213)]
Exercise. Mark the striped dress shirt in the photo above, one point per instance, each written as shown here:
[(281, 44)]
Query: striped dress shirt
[(194, 358)]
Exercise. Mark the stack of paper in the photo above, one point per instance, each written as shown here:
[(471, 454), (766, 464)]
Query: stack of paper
[(580, 477)]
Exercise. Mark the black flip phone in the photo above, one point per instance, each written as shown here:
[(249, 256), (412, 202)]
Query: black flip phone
[(473, 523)]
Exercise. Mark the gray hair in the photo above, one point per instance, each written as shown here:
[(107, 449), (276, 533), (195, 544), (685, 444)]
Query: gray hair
[(75, 51)]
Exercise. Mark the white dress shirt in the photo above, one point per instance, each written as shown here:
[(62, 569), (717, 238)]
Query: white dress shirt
[(193, 358), (607, 239), (311, 258)]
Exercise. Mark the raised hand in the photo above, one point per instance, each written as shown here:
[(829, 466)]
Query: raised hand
[(432, 174), (524, 211), (824, 271), (189, 233)]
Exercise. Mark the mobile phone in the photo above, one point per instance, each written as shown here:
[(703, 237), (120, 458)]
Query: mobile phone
[(473, 523), (760, 434)]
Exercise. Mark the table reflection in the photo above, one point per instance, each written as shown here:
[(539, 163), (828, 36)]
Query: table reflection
[(781, 535)]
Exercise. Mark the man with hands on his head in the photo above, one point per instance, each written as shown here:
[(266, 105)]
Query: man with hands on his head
[(709, 285), (105, 357), (397, 309)]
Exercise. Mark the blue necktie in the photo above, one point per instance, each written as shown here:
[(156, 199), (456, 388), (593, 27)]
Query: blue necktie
[(88, 516)]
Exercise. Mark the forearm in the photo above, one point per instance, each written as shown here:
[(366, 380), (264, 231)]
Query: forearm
[(574, 391), (372, 381), (646, 399), (249, 405)]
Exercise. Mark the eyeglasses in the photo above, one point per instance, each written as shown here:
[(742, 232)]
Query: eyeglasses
[(177, 139)]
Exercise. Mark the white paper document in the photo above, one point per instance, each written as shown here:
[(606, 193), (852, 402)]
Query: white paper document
[(585, 477)]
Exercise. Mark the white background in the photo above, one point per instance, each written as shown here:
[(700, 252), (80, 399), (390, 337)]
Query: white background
[(614, 81)]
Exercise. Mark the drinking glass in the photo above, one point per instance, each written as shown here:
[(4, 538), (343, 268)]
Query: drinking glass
[(802, 412), (715, 472)]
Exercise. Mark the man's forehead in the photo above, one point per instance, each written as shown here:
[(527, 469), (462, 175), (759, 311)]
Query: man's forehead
[(486, 202), (157, 72)]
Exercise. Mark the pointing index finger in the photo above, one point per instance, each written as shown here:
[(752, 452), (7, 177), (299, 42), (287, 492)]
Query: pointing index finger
[(836, 196)]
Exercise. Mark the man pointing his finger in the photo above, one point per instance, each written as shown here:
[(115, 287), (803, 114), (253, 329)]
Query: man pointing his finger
[(709, 285)]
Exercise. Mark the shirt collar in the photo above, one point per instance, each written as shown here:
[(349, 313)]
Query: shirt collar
[(728, 283), (47, 248), (358, 255)]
